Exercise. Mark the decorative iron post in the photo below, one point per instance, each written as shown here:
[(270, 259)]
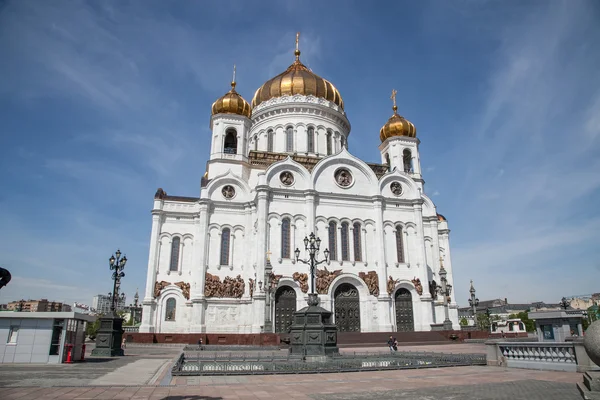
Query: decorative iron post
[(312, 245), (473, 302), (445, 291)]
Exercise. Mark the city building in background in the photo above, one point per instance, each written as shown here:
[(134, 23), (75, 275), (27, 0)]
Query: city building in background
[(42, 305), (101, 304)]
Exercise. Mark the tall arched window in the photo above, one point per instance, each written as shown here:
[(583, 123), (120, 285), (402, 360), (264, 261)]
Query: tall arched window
[(329, 138), (387, 162), (310, 139), (270, 140), (399, 245), (289, 139), (343, 140), (225, 239), (345, 246), (230, 146), (175, 254), (170, 309), (256, 143), (407, 160), (285, 238), (332, 241), (357, 245)]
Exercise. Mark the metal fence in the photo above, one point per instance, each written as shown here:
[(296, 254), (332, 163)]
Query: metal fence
[(281, 363)]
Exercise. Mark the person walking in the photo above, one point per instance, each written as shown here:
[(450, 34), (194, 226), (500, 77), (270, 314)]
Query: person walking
[(392, 344)]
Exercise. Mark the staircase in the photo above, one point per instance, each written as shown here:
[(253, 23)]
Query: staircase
[(590, 388)]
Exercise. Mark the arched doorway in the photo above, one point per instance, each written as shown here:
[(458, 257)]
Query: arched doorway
[(285, 307), (347, 308), (404, 311)]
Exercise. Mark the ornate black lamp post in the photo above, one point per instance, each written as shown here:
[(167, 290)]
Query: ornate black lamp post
[(473, 302), (270, 285), (564, 303), (312, 334), (445, 291), (312, 245), (108, 339)]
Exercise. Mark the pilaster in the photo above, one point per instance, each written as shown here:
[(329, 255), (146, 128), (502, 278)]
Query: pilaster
[(380, 259), (427, 316)]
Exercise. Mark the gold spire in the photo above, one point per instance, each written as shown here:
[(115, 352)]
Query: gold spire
[(233, 80), (393, 97), (297, 52)]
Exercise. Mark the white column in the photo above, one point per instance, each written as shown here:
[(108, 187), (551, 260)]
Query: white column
[(293, 237), (231, 245), (152, 257), (380, 246), (406, 247), (309, 207), (180, 260), (426, 309), (261, 242)]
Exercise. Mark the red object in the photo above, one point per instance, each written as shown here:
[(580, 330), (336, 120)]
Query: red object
[(83, 352), (69, 354)]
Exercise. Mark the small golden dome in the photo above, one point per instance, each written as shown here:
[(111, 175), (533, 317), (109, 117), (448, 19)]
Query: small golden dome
[(397, 125), (297, 79), (232, 103)]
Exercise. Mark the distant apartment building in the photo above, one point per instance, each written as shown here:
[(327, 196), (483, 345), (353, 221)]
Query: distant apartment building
[(42, 305), (101, 304)]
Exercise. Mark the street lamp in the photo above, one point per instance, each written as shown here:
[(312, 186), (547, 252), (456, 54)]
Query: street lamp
[(564, 303), (312, 245), (108, 339), (445, 291), (473, 302)]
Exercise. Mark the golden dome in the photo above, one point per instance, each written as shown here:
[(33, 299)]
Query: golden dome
[(397, 125), (297, 79), (232, 103)]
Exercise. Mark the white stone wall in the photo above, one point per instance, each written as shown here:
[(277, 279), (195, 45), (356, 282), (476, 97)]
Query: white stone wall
[(32, 341)]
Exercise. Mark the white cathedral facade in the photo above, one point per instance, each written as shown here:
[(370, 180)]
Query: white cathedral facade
[(280, 169)]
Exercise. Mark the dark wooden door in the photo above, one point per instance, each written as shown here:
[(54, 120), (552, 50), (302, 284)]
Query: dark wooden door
[(347, 308), (404, 311), (285, 307)]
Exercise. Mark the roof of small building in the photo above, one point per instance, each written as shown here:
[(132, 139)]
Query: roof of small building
[(48, 315)]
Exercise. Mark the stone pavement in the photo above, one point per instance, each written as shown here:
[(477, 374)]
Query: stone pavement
[(124, 376)]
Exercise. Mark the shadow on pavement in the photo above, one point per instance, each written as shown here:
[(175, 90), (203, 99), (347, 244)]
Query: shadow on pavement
[(192, 397)]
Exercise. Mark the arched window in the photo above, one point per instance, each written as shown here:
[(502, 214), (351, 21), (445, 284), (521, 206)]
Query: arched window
[(407, 159), (332, 241), (310, 139), (387, 162), (343, 140), (399, 245), (285, 238), (329, 138), (345, 247), (175, 254), (270, 140), (170, 309), (225, 238), (357, 244), (230, 146), (256, 143), (289, 139)]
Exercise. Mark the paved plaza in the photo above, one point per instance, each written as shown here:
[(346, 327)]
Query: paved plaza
[(144, 373)]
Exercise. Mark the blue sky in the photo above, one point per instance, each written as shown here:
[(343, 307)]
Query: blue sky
[(103, 102)]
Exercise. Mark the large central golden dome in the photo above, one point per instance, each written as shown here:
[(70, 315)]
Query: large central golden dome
[(297, 79)]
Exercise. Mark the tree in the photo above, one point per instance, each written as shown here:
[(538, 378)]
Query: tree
[(463, 322), (483, 322), (92, 329)]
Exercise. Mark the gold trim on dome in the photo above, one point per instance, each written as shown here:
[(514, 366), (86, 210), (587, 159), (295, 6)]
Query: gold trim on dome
[(232, 102), (297, 79), (397, 125)]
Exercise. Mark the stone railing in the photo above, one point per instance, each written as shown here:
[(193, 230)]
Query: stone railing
[(539, 355), (131, 329)]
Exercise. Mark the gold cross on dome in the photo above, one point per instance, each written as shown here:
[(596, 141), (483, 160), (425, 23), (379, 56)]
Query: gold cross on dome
[(393, 96), (269, 255), (233, 73), (297, 39)]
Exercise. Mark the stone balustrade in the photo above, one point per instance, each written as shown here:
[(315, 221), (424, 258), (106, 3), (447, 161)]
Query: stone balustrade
[(539, 355)]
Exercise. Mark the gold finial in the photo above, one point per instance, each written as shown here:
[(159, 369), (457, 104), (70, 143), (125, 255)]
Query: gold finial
[(269, 255), (233, 80), (393, 97), (297, 52)]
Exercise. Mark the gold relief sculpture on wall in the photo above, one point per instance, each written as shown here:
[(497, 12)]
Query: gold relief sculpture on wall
[(418, 285), (159, 286), (302, 280), (391, 284), (185, 289), (230, 287), (372, 281), (324, 279)]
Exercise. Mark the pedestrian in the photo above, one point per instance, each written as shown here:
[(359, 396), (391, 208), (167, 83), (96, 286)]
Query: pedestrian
[(124, 343), (392, 344)]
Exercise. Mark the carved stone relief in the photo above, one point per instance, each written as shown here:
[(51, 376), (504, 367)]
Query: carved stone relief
[(287, 178), (228, 191), (302, 280), (418, 286), (159, 286), (343, 177), (372, 281), (324, 279), (185, 289), (230, 287), (396, 188), (391, 284), (222, 314)]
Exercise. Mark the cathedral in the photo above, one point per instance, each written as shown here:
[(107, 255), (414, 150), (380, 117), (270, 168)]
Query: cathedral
[(231, 260)]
